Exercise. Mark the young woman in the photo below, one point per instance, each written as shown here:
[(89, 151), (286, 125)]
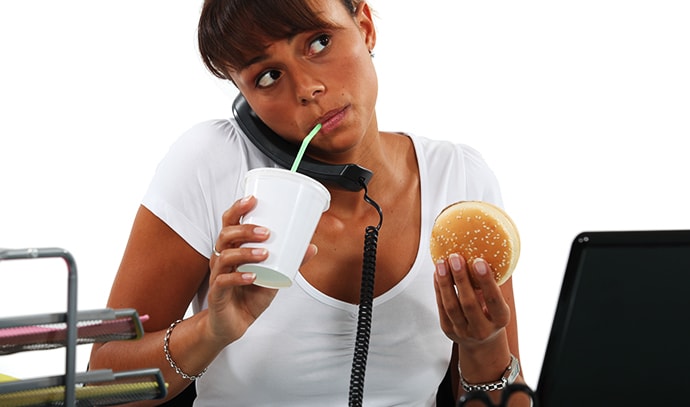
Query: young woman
[(298, 63)]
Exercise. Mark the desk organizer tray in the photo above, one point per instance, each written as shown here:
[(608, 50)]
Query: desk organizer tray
[(95, 388), (49, 331)]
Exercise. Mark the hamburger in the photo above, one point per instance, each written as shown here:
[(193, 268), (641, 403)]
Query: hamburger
[(477, 229)]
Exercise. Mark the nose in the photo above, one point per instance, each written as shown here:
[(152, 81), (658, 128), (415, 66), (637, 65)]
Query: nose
[(307, 87)]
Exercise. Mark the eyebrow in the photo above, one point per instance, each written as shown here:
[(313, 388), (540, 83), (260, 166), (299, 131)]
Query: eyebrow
[(253, 61)]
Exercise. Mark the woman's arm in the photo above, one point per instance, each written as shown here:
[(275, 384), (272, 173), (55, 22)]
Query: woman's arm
[(159, 276), (480, 321)]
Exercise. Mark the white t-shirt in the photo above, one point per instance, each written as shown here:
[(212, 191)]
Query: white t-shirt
[(299, 352)]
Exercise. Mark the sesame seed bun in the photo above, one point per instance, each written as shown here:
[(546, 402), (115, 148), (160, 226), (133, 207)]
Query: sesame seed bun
[(476, 229)]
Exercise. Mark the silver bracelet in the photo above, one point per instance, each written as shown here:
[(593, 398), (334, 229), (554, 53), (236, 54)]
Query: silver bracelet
[(508, 377), (168, 357)]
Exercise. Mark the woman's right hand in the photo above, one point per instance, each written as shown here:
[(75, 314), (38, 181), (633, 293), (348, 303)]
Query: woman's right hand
[(234, 303)]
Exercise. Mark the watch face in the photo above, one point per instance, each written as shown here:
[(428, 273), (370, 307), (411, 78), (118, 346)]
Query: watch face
[(513, 370)]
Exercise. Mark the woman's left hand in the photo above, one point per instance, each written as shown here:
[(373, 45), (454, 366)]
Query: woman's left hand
[(470, 314)]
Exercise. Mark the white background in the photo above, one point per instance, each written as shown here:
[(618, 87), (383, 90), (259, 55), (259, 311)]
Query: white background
[(581, 108)]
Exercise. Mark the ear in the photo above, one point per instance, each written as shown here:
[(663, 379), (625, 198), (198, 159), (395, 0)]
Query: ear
[(363, 17)]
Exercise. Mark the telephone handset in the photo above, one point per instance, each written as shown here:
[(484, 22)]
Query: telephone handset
[(346, 176)]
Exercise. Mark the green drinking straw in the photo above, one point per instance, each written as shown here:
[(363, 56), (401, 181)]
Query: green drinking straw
[(303, 147)]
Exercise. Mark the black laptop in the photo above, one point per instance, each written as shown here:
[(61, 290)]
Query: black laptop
[(621, 331)]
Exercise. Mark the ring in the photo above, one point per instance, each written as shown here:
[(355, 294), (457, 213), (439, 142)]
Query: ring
[(216, 252)]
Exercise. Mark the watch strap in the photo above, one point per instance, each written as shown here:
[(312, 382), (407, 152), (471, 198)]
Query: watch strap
[(508, 377)]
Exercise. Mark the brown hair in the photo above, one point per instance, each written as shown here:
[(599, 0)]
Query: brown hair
[(230, 32)]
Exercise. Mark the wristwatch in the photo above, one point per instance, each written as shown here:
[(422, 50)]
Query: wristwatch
[(509, 375)]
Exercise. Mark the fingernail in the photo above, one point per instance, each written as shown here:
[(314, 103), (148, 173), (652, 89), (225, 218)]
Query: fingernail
[(480, 266), (454, 261), (245, 199), (248, 276), (258, 252), (441, 268), (259, 230)]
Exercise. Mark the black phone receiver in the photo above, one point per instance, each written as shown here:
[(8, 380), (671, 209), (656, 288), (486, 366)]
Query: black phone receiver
[(346, 176)]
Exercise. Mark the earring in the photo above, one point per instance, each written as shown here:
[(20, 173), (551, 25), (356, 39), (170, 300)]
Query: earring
[(371, 53)]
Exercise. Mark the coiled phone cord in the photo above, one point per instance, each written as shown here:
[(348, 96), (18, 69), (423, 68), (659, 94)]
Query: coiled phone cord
[(366, 300)]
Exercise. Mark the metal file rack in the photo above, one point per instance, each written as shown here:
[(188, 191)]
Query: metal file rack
[(70, 329)]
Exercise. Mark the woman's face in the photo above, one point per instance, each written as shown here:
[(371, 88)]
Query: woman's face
[(322, 77)]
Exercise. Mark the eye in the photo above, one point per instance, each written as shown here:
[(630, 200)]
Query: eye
[(267, 78), (319, 44)]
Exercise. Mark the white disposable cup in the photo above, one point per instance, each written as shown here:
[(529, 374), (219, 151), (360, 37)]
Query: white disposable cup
[(289, 205)]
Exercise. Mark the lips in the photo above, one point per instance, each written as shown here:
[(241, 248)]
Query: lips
[(332, 119)]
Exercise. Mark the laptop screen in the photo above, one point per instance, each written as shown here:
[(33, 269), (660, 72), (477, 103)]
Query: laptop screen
[(620, 335)]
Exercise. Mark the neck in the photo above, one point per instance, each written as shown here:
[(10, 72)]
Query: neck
[(393, 164)]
